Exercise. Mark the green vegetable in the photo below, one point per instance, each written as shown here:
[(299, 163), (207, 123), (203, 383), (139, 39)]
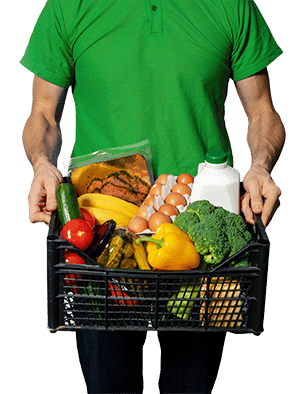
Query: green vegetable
[(217, 233), (210, 239), (201, 208), (128, 263), (116, 247), (238, 235), (104, 256), (185, 221), (67, 204), (183, 308), (93, 290)]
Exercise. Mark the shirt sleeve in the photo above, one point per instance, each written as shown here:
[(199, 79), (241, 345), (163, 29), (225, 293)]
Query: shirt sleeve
[(254, 47), (48, 54)]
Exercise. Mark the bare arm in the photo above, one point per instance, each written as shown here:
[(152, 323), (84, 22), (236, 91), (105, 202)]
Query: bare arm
[(266, 136), (42, 143)]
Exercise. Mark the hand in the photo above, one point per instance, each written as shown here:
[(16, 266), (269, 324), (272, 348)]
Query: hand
[(261, 196), (42, 195)]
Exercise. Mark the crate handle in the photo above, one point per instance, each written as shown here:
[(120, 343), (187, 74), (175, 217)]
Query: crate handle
[(261, 230)]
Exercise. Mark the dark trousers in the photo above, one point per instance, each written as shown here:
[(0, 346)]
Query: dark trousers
[(111, 361)]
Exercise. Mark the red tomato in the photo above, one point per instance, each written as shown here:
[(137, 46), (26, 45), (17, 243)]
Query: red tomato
[(73, 258), (78, 232), (70, 279), (88, 217)]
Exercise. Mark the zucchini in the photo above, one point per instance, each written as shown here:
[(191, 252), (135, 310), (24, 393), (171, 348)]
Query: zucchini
[(67, 203)]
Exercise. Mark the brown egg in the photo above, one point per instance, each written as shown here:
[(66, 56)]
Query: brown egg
[(157, 219), (181, 188), (175, 199), (149, 200), (162, 179), (156, 189), (142, 211), (137, 224), (185, 178), (169, 210)]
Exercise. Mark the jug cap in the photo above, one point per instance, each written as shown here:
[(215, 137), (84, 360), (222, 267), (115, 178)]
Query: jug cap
[(216, 157)]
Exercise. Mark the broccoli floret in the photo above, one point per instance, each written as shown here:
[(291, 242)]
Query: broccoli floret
[(238, 237), (185, 220), (241, 262), (210, 239), (201, 208)]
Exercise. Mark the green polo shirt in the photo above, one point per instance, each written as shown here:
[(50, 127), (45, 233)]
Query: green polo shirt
[(150, 69)]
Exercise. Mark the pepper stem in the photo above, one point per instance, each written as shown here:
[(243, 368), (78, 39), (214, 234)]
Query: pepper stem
[(159, 242)]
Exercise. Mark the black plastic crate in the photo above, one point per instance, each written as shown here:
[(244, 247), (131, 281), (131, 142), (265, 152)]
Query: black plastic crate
[(90, 297)]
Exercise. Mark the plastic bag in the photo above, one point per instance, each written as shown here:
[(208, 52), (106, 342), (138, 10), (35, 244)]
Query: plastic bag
[(113, 171)]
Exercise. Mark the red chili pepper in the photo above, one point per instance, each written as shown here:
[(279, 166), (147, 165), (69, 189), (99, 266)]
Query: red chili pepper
[(118, 293)]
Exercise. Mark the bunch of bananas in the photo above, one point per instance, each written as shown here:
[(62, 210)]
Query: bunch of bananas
[(104, 207)]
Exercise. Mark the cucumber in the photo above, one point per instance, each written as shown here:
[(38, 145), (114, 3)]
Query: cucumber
[(67, 203)]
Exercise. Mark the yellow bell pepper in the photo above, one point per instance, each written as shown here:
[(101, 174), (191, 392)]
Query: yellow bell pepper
[(171, 249)]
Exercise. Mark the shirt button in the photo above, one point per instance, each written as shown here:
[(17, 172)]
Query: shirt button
[(154, 8)]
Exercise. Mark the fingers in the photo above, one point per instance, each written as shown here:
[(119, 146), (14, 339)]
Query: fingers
[(262, 196), (37, 204), (246, 208), (51, 186), (252, 200), (42, 195), (271, 205), (38, 217)]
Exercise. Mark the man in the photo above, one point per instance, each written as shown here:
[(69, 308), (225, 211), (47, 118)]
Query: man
[(157, 70)]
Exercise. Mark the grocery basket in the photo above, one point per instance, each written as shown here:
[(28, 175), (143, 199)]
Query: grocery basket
[(88, 296)]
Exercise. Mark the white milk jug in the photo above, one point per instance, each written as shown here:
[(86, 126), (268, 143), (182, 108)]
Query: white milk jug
[(217, 182)]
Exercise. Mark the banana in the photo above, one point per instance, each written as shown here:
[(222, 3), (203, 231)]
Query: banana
[(102, 215), (102, 201)]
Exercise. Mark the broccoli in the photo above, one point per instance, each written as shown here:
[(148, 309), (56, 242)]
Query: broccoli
[(216, 232), (185, 220), (237, 233), (201, 208), (238, 237), (210, 240)]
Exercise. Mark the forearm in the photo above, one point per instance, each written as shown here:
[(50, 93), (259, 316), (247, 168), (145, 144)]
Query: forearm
[(41, 139), (266, 137)]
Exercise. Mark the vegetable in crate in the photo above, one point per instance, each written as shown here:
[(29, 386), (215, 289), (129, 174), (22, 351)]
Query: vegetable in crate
[(123, 252), (116, 247), (70, 279), (140, 256), (67, 204), (222, 295), (78, 232), (121, 297), (217, 233), (183, 301), (171, 249), (88, 217)]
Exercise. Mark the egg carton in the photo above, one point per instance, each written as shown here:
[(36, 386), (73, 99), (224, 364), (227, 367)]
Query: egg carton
[(163, 191)]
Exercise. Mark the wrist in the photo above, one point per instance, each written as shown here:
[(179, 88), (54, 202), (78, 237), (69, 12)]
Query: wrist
[(40, 161), (261, 166)]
